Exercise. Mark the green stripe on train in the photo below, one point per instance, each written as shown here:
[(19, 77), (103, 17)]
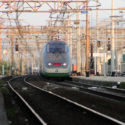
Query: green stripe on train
[(57, 74)]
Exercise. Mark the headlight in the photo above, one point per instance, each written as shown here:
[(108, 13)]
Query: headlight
[(64, 64), (49, 64)]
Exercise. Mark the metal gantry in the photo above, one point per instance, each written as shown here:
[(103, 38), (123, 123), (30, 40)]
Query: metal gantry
[(66, 31), (46, 6), (39, 5)]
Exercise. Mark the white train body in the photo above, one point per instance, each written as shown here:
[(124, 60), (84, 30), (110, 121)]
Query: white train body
[(55, 59)]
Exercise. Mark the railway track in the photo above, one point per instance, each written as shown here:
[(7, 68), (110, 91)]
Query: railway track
[(115, 91), (115, 94), (73, 102), (26, 104)]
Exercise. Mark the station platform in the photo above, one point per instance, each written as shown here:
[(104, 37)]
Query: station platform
[(101, 78), (3, 117)]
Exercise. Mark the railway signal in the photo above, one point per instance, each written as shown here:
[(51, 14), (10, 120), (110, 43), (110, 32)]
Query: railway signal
[(16, 47), (109, 44), (98, 43)]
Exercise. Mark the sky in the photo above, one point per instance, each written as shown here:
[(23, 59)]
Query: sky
[(106, 14), (41, 18)]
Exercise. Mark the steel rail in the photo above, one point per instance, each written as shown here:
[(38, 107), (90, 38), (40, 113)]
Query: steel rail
[(99, 93), (79, 105), (116, 90), (26, 103)]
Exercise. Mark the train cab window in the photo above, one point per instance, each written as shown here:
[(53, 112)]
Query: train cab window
[(66, 48), (56, 48)]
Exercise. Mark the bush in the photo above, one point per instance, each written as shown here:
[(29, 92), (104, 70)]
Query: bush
[(5, 90), (122, 85)]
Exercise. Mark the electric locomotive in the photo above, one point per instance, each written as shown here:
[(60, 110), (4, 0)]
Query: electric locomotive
[(55, 59)]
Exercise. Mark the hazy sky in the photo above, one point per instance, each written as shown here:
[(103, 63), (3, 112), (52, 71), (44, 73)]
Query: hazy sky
[(106, 14), (41, 18)]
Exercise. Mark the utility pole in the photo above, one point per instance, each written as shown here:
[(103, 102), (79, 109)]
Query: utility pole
[(0, 43), (112, 43), (65, 30), (87, 40), (68, 32), (78, 43), (104, 60), (97, 59), (70, 43), (18, 62), (12, 56), (96, 37)]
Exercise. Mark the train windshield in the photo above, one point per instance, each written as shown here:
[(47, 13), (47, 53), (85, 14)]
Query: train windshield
[(56, 48)]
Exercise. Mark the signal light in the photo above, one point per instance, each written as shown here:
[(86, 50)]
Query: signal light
[(98, 43), (108, 47), (109, 44), (16, 47)]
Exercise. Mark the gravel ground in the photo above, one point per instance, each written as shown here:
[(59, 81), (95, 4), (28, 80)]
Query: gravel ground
[(16, 113), (102, 78), (55, 111), (109, 107)]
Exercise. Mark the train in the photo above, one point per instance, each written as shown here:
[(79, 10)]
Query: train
[(55, 59)]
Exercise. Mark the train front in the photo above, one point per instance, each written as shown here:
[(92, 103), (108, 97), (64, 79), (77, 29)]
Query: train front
[(57, 59)]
